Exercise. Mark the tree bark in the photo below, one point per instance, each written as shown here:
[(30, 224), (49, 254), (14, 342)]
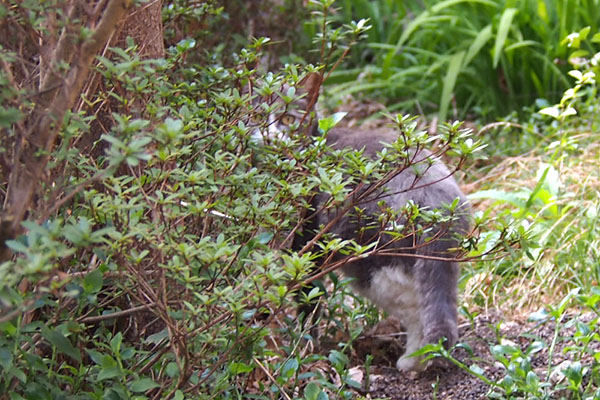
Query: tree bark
[(144, 26)]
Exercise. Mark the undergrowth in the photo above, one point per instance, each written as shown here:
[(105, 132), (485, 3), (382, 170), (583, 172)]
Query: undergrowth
[(156, 262), (554, 187)]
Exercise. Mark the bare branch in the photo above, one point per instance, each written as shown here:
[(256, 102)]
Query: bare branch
[(116, 314), (31, 155)]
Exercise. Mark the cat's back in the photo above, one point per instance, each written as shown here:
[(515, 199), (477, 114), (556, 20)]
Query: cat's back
[(372, 140), (426, 180)]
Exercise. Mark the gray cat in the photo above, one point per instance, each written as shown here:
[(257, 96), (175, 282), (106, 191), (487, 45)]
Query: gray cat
[(420, 286)]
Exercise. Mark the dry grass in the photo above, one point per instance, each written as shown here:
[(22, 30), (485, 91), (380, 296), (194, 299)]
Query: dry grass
[(567, 239)]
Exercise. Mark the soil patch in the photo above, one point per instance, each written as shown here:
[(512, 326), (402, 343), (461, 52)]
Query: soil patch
[(385, 382)]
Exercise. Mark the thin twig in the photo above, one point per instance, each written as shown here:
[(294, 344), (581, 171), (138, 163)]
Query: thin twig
[(116, 314), (266, 371)]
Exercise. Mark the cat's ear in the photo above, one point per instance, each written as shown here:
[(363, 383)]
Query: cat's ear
[(310, 85)]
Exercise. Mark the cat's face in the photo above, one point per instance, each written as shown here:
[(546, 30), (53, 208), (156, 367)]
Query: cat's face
[(281, 115)]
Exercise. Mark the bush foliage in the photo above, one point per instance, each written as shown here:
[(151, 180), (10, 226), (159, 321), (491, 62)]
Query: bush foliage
[(156, 261)]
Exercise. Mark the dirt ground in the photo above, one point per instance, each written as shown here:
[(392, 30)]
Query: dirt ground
[(386, 382)]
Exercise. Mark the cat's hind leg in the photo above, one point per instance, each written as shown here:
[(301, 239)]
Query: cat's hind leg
[(437, 283)]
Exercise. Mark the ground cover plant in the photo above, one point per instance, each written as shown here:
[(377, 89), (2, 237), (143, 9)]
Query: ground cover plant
[(152, 257), (555, 186)]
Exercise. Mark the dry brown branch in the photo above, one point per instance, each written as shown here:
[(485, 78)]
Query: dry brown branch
[(117, 314), (44, 122)]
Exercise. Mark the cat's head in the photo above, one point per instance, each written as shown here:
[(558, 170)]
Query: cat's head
[(288, 111)]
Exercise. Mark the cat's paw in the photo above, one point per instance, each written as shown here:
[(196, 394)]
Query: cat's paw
[(411, 364)]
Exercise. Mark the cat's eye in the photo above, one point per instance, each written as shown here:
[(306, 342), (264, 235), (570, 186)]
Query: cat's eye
[(287, 119)]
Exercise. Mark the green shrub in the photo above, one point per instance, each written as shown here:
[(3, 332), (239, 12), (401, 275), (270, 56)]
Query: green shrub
[(156, 263)]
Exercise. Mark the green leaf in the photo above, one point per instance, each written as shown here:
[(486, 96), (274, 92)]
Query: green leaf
[(427, 349), (115, 343), (311, 391), (178, 395), (536, 346), (17, 373), (142, 385), (264, 237), (568, 112), (575, 74), (552, 111), (62, 344), (96, 356), (8, 328), (157, 337), (338, 359), (466, 347), (170, 129), (109, 373), (520, 45), (503, 28), (584, 32), (16, 245), (477, 369), (172, 370), (539, 184), (240, 368), (454, 68), (289, 368), (5, 358), (562, 306), (314, 292), (532, 379), (92, 283), (539, 315), (9, 116), (573, 371), (115, 393)]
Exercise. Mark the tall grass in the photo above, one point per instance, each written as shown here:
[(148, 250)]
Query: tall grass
[(454, 56)]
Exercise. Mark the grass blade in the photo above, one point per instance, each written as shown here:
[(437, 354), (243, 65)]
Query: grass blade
[(505, 23), (521, 44), (410, 28), (425, 15), (454, 68), (482, 38), (449, 3)]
